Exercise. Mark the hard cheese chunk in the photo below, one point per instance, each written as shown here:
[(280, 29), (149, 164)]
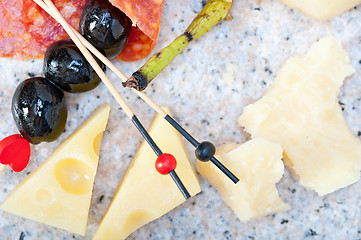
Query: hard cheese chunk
[(258, 165), (322, 9), (144, 194), (58, 193), (301, 112)]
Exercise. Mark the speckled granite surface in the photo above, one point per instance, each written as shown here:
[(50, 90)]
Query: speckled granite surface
[(250, 48)]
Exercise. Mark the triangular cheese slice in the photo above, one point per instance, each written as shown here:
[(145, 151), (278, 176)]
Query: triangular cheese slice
[(58, 193), (145, 195)]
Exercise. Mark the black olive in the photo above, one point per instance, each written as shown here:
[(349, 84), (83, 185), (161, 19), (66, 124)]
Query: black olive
[(67, 68), (39, 110), (105, 26)]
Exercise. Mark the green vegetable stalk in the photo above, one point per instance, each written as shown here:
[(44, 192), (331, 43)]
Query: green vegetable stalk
[(212, 13)]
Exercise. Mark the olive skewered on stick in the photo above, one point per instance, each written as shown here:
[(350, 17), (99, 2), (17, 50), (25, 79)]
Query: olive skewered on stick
[(67, 68), (39, 107), (105, 27), (204, 150), (39, 110), (50, 8), (212, 13)]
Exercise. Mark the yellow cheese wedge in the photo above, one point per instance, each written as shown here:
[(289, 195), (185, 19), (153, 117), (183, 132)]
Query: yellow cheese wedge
[(322, 9), (58, 193), (258, 165), (301, 112), (144, 194)]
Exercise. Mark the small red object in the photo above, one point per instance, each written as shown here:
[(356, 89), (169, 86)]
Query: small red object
[(15, 152), (165, 163)]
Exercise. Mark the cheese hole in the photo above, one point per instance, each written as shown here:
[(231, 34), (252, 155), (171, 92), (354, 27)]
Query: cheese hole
[(44, 196), (136, 219), (74, 176), (97, 143)]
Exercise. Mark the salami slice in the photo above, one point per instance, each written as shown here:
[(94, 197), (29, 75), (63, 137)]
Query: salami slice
[(145, 15), (26, 30), (14, 39), (138, 46), (42, 27)]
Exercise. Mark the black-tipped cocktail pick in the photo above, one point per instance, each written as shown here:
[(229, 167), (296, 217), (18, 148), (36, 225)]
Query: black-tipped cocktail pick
[(204, 151), (82, 44)]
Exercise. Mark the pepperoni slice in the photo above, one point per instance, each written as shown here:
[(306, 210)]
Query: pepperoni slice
[(26, 30), (42, 27), (14, 39), (138, 46), (145, 15)]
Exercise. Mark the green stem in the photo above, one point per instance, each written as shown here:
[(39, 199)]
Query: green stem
[(212, 13)]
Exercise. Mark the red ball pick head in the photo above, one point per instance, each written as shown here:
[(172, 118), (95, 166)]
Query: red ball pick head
[(15, 152), (165, 163)]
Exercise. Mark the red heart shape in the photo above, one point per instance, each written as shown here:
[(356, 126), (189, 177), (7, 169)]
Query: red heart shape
[(15, 152)]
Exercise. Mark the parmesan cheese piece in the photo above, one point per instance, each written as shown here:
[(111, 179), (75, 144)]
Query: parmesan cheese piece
[(230, 73), (258, 165), (144, 194), (301, 112), (58, 193), (322, 9)]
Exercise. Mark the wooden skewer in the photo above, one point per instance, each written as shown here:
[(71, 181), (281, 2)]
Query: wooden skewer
[(50, 8), (102, 58), (142, 95), (56, 14)]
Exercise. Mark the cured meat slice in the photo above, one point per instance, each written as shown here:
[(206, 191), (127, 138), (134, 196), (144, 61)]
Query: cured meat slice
[(138, 46), (145, 15), (14, 40), (43, 27), (26, 30)]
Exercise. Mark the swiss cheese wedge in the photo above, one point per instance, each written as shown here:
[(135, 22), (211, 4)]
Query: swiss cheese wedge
[(301, 112), (58, 193), (322, 9), (258, 165), (144, 194)]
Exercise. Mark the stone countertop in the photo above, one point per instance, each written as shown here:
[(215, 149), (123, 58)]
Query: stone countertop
[(251, 49)]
